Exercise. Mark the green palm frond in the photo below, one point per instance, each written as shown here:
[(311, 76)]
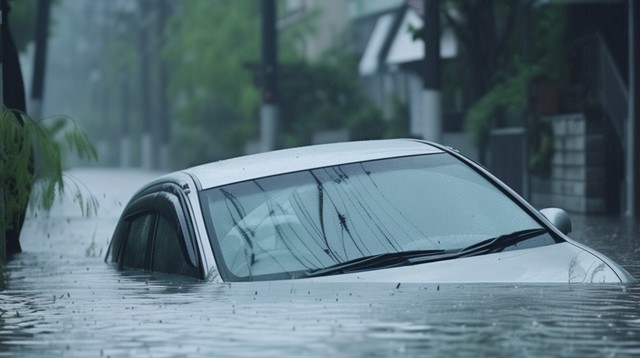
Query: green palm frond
[(22, 138)]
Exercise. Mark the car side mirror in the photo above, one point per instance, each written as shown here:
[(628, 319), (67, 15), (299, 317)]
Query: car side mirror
[(559, 218)]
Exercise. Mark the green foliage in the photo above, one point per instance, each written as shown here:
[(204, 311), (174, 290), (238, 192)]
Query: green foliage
[(210, 44), (550, 43), (541, 151), (214, 52), (487, 32), (22, 19), (398, 124), (510, 93), (293, 38), (323, 96), (20, 138), (210, 47), (14, 162), (479, 119), (368, 122)]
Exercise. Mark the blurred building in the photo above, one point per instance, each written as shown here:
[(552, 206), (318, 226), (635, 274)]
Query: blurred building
[(380, 33), (590, 136), (391, 68)]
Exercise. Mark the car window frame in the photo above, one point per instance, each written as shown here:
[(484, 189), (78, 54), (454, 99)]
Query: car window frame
[(171, 208), (167, 200), (134, 209), (150, 236)]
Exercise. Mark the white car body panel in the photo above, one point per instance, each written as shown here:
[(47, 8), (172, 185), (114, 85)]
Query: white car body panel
[(559, 263), (291, 160)]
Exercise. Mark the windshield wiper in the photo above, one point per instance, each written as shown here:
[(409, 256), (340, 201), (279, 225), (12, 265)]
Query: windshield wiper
[(501, 242), (413, 257), (386, 260)]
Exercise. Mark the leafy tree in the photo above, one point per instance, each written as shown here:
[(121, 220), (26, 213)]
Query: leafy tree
[(503, 56), (324, 96), (22, 139), (486, 30), (20, 136), (213, 49), (209, 47), (23, 18)]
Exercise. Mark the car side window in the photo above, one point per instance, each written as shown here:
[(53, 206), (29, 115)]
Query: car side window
[(168, 251), (136, 244)]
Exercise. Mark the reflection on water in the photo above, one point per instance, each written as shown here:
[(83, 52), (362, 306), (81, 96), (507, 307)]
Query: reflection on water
[(60, 298)]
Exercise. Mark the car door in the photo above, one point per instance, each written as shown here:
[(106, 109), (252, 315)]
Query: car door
[(155, 233), (173, 248)]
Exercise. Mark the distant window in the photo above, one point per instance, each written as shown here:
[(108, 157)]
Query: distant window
[(137, 239), (168, 251)]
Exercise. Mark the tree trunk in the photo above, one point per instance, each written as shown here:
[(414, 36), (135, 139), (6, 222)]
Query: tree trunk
[(3, 237)]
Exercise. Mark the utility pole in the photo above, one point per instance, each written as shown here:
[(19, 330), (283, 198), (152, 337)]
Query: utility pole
[(432, 121), (3, 215), (631, 138), (147, 145), (269, 78), (39, 63), (164, 124), (125, 123), (1, 55)]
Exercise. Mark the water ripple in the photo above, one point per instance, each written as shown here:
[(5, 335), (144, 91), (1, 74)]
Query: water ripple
[(61, 299)]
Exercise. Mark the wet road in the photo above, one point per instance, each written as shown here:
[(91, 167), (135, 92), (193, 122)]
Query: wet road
[(60, 299)]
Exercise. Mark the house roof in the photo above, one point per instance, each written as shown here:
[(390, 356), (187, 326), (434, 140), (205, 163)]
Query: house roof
[(391, 42)]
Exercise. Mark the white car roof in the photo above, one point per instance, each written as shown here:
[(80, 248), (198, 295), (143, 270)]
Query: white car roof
[(295, 159)]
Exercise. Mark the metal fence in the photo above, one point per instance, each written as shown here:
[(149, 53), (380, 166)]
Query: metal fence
[(507, 157)]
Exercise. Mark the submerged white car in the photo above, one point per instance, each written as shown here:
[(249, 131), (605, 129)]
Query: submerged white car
[(385, 211)]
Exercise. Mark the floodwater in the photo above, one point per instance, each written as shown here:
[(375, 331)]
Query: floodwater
[(59, 298)]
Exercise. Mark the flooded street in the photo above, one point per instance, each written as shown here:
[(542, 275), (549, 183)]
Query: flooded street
[(59, 298)]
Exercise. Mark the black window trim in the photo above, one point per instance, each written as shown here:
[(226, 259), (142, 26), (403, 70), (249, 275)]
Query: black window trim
[(156, 200), (150, 238)]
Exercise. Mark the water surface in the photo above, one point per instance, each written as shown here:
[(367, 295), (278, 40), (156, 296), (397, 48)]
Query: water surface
[(61, 299)]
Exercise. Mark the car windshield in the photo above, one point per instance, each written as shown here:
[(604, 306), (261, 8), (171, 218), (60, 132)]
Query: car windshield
[(289, 225)]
